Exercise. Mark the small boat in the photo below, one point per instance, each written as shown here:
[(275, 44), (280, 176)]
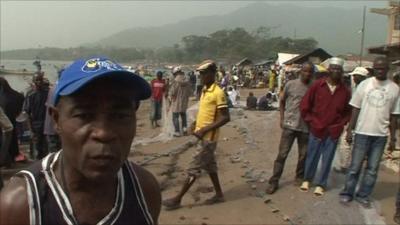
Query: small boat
[(16, 72)]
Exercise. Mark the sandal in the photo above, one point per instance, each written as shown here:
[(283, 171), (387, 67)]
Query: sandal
[(171, 204), (319, 191), (305, 186), (215, 199)]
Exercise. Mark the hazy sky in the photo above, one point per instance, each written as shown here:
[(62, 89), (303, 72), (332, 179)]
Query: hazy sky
[(32, 24)]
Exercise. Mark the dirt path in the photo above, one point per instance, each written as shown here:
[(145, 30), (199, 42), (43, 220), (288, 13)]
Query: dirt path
[(246, 152)]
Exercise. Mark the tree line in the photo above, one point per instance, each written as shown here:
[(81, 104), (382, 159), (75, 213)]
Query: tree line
[(227, 45)]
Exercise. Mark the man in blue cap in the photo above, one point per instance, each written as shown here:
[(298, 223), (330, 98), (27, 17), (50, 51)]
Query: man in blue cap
[(89, 181)]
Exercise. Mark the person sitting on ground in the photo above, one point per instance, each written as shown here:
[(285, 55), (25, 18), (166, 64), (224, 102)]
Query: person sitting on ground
[(89, 181), (264, 103), (251, 102)]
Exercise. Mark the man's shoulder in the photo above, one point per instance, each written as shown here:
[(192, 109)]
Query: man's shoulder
[(292, 82), (143, 174), (14, 202), (218, 91), (393, 85)]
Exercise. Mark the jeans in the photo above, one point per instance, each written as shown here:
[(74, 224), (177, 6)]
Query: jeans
[(155, 110), (287, 140), (371, 147), (316, 148), (175, 120)]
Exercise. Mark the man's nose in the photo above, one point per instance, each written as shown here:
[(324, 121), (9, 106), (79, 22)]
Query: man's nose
[(103, 131)]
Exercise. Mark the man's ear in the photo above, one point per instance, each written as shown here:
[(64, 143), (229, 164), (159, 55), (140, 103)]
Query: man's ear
[(55, 116)]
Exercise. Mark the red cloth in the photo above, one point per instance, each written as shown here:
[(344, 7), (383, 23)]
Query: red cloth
[(157, 88), (326, 113)]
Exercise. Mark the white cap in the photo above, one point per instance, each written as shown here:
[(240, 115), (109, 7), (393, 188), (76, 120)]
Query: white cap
[(360, 71), (176, 69), (336, 61)]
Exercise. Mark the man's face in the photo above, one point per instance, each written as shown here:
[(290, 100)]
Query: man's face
[(207, 77), (97, 126), (381, 68), (335, 72), (38, 81), (358, 78), (306, 72)]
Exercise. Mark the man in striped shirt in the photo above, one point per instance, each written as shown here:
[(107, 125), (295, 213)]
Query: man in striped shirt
[(89, 181)]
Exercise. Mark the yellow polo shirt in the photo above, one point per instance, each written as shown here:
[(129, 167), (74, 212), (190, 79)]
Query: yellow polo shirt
[(211, 100)]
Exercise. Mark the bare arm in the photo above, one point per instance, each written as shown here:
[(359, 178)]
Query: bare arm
[(151, 191), (352, 124), (14, 207)]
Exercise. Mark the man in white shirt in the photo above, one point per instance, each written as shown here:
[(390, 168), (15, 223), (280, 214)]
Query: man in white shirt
[(375, 107)]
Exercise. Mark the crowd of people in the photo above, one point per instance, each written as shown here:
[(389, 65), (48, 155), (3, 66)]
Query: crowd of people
[(81, 136), (316, 112)]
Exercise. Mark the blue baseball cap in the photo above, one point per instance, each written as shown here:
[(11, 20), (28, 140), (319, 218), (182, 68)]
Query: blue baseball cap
[(83, 71)]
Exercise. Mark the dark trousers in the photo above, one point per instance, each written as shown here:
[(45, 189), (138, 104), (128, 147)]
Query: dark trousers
[(398, 200), (287, 140), (175, 120), (39, 142), (53, 143)]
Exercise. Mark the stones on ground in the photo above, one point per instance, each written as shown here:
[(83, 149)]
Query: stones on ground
[(235, 159), (182, 217), (286, 218), (253, 186), (274, 210), (267, 200)]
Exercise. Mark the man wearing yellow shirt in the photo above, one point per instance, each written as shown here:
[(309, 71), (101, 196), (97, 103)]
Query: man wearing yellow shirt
[(213, 113)]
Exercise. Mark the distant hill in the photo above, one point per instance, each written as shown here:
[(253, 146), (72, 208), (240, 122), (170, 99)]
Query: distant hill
[(336, 29)]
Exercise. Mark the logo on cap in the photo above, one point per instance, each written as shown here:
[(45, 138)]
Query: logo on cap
[(96, 64)]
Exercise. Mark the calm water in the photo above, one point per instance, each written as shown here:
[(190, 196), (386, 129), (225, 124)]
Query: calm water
[(21, 82), (50, 68)]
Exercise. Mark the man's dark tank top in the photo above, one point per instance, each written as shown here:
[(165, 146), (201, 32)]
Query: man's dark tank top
[(49, 204)]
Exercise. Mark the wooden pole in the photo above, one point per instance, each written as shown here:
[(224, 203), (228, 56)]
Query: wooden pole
[(362, 36)]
